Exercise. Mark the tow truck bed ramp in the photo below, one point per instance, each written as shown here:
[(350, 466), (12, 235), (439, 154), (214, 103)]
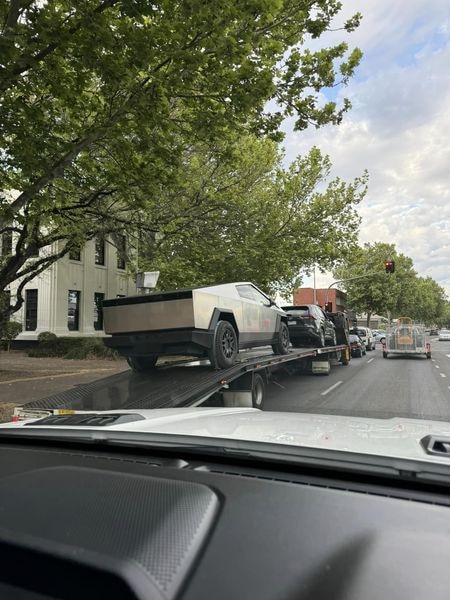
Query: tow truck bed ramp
[(168, 386)]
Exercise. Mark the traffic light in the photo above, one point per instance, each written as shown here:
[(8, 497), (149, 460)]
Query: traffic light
[(329, 307), (389, 265)]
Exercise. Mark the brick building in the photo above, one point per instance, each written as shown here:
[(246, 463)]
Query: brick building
[(306, 296)]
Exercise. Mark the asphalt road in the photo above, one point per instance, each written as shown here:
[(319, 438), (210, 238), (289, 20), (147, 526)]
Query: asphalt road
[(372, 387)]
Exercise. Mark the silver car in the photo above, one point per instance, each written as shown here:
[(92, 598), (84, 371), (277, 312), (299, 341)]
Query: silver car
[(444, 335), (215, 321)]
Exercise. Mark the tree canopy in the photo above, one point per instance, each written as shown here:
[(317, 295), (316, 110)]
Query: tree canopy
[(101, 101), (402, 293), (261, 222)]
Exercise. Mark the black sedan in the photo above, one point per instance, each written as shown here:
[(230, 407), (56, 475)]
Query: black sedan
[(357, 347)]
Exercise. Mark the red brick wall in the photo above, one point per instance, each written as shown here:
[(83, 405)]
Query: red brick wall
[(306, 296)]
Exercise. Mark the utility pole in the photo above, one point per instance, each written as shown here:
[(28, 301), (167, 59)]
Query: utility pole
[(352, 279)]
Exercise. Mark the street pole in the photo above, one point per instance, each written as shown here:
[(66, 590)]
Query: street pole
[(351, 279), (314, 289)]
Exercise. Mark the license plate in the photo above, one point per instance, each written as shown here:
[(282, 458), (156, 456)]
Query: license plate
[(292, 322)]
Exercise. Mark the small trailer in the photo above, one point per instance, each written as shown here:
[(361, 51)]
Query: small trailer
[(406, 338)]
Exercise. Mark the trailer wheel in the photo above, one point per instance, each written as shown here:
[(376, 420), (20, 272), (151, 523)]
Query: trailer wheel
[(225, 346), (142, 363), (428, 354), (282, 344), (385, 354), (258, 391)]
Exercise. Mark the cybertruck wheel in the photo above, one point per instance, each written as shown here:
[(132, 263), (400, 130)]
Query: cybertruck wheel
[(140, 364), (281, 346), (225, 346)]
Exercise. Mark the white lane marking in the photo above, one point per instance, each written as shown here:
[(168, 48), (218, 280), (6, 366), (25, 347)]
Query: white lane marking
[(437, 367), (370, 360), (279, 385), (433, 360), (442, 374), (447, 355), (330, 389)]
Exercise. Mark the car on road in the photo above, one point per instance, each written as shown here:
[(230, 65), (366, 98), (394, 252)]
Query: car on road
[(214, 322), (308, 324), (444, 335), (379, 337), (366, 336), (357, 347)]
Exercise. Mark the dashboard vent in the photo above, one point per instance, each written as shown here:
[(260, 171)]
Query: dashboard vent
[(439, 446)]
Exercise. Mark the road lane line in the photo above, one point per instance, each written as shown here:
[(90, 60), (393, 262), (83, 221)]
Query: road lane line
[(447, 355), (330, 389), (437, 367), (278, 384), (433, 360), (370, 360), (442, 374)]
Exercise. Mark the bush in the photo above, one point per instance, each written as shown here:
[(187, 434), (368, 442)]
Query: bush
[(10, 332), (46, 336), (71, 348)]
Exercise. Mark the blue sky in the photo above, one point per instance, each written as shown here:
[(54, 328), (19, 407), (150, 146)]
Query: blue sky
[(398, 128)]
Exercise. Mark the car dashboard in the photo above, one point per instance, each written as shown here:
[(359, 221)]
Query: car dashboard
[(78, 521)]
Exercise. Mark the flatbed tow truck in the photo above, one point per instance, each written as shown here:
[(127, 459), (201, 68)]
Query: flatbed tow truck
[(187, 383)]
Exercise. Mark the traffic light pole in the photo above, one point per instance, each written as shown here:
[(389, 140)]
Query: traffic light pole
[(350, 279)]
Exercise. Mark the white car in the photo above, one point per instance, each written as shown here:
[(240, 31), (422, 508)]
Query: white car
[(444, 335), (379, 336)]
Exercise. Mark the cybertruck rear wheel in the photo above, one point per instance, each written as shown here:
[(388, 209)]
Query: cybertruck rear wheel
[(140, 364)]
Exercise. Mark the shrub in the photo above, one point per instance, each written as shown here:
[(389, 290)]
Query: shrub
[(10, 332), (71, 347)]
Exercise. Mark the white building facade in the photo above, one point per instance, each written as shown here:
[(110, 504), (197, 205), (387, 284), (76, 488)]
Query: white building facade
[(66, 298)]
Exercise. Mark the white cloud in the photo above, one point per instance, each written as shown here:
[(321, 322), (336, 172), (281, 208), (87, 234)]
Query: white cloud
[(399, 129)]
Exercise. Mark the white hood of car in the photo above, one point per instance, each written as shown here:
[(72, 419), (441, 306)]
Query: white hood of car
[(395, 437)]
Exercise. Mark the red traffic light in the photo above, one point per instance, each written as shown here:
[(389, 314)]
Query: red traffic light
[(389, 265)]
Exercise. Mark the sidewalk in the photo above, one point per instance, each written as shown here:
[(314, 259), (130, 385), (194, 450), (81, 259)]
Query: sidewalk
[(23, 379)]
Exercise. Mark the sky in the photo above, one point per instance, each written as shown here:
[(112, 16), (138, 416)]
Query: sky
[(398, 129)]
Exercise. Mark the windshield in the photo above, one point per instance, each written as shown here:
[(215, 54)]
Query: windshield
[(166, 170)]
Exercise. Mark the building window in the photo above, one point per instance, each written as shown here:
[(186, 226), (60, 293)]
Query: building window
[(75, 253), (99, 250), (98, 311), (73, 310), (7, 243), (31, 310), (121, 245)]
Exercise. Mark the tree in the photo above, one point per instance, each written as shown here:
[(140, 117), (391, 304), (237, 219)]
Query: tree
[(429, 301), (101, 99), (260, 222), (381, 293)]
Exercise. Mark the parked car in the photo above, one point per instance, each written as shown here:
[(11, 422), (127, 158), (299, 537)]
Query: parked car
[(308, 324), (366, 335), (434, 331), (357, 347), (214, 322), (444, 335)]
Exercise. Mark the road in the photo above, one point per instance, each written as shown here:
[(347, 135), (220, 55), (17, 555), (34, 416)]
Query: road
[(372, 387)]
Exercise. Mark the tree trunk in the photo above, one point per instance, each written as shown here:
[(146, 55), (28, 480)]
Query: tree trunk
[(369, 314)]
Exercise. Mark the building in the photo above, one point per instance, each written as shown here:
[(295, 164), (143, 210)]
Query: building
[(306, 296), (66, 298)]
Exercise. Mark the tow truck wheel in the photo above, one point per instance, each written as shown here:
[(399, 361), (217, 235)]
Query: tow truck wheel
[(258, 391), (142, 363), (225, 346), (282, 344)]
